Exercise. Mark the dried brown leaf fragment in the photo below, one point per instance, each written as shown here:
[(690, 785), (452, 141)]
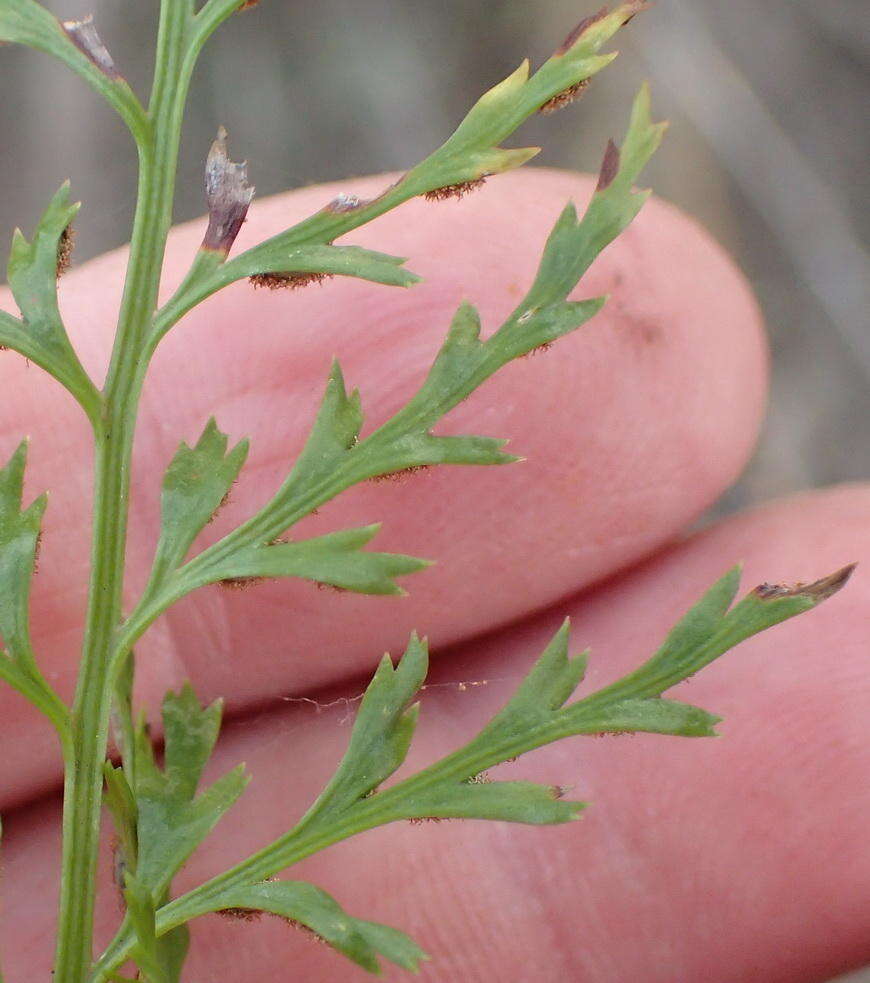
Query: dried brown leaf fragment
[(228, 194), (818, 590), (84, 36)]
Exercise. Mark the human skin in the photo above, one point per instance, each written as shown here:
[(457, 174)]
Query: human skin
[(732, 859)]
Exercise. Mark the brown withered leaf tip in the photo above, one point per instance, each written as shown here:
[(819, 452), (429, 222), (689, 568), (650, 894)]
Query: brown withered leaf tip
[(609, 167), (637, 7), (84, 36), (228, 194), (287, 281), (564, 98), (587, 22), (454, 190), (819, 590), (581, 28), (64, 250)]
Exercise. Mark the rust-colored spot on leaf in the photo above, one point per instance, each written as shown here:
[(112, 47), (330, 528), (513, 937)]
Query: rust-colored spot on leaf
[(241, 914), (609, 167), (314, 936), (240, 583), (454, 190), (64, 250), (819, 590), (36, 551), (564, 98), (287, 281), (399, 475), (228, 194), (545, 346), (84, 36), (333, 588)]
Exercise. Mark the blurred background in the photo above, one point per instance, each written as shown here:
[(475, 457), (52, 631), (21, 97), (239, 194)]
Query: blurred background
[(768, 148)]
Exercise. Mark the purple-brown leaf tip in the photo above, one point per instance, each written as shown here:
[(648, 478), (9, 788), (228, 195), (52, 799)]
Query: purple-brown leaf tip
[(84, 36), (581, 28), (818, 590), (228, 194), (609, 167), (629, 10)]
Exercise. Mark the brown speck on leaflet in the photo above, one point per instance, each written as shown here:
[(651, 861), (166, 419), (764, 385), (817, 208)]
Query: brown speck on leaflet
[(240, 583), (609, 167), (287, 281), (454, 190), (242, 914), (398, 475), (564, 98), (819, 590), (64, 250)]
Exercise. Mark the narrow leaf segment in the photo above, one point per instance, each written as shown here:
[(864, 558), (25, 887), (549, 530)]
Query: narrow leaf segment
[(20, 532), (461, 164), (539, 713), (32, 272), (336, 458)]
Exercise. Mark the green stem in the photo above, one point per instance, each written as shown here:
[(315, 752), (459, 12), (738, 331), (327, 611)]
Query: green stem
[(114, 442)]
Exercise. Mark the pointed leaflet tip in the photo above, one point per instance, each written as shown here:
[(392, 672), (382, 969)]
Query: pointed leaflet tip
[(84, 36), (619, 18), (228, 194)]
